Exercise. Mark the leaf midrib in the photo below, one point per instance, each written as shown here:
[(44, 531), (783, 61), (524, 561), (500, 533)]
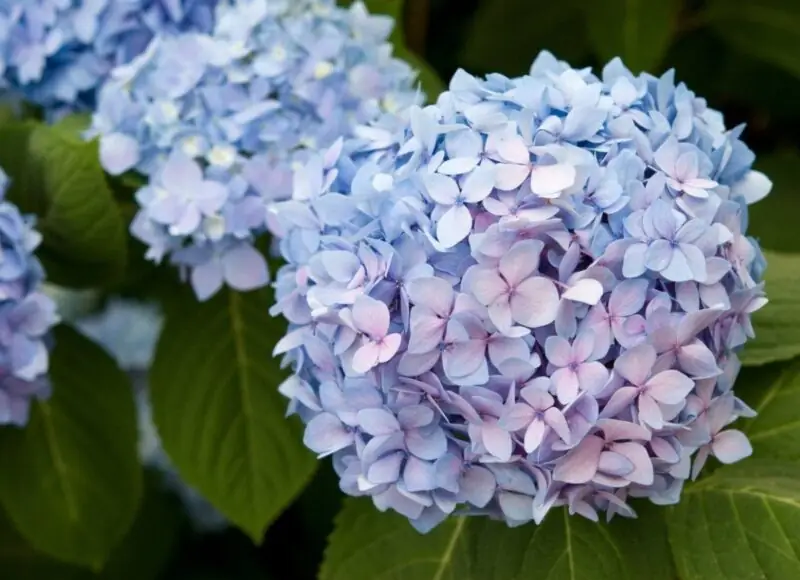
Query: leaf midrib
[(447, 556), (60, 466)]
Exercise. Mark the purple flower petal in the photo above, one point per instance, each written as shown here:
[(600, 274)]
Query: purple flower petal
[(731, 446), (580, 464)]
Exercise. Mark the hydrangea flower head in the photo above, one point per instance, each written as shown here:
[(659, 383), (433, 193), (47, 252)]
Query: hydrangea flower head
[(217, 120), (532, 296), (26, 315), (57, 52)]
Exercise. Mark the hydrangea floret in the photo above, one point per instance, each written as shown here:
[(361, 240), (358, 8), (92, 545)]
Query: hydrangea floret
[(217, 121), (56, 53), (531, 296), (26, 315)]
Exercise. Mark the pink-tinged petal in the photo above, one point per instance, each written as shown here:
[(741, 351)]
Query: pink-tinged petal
[(517, 417), (441, 188), (371, 317), (700, 460), (419, 475), (670, 387), (458, 165), (207, 279), (565, 381), (386, 469), (558, 351), (720, 413), (520, 261), (477, 486), (500, 314), (118, 153), (633, 264), (377, 421), (536, 397), (479, 184), (753, 187), (486, 285), (549, 181), (388, 347), (427, 331), (502, 348), (497, 441), (413, 365), (326, 434), (643, 465), (291, 341), (509, 176), (557, 422), (628, 297), (434, 293), (609, 480), (580, 465), (429, 444), (664, 450), (698, 361), (694, 323), (587, 291), (535, 302), (415, 416), (615, 464), (649, 412), (731, 446), (534, 435), (366, 357), (678, 269), (616, 430), (635, 364), (592, 377), (461, 359), (513, 150), (454, 226), (582, 346)]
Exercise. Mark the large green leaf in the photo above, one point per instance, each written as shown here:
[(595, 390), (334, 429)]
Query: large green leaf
[(57, 176), (777, 325), (767, 29), (638, 31), (775, 432), (482, 51), (216, 405), (369, 545), (431, 84), (70, 481), (772, 219), (742, 522)]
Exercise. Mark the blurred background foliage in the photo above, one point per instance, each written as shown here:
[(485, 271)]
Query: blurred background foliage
[(743, 56)]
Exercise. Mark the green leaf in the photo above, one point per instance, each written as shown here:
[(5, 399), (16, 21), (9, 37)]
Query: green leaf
[(216, 405), (742, 522), (57, 176), (772, 219), (767, 29), (369, 545), (777, 325), (775, 432), (638, 31), (483, 53), (71, 479), (431, 84)]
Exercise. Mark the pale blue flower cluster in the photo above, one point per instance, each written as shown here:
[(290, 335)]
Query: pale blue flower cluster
[(530, 296), (216, 121), (26, 315), (129, 330), (56, 53)]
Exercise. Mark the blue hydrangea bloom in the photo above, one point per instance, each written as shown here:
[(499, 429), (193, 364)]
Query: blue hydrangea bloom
[(26, 315), (530, 296), (216, 122), (57, 52), (129, 330)]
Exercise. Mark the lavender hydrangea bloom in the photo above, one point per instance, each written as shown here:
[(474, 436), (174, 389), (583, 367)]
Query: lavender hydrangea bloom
[(58, 52), (128, 330), (26, 315), (217, 121), (565, 268)]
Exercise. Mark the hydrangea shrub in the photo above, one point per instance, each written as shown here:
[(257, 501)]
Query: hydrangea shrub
[(216, 122), (530, 295), (26, 315)]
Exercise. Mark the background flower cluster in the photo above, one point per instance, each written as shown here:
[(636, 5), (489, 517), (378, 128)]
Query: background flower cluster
[(215, 121), (533, 299)]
